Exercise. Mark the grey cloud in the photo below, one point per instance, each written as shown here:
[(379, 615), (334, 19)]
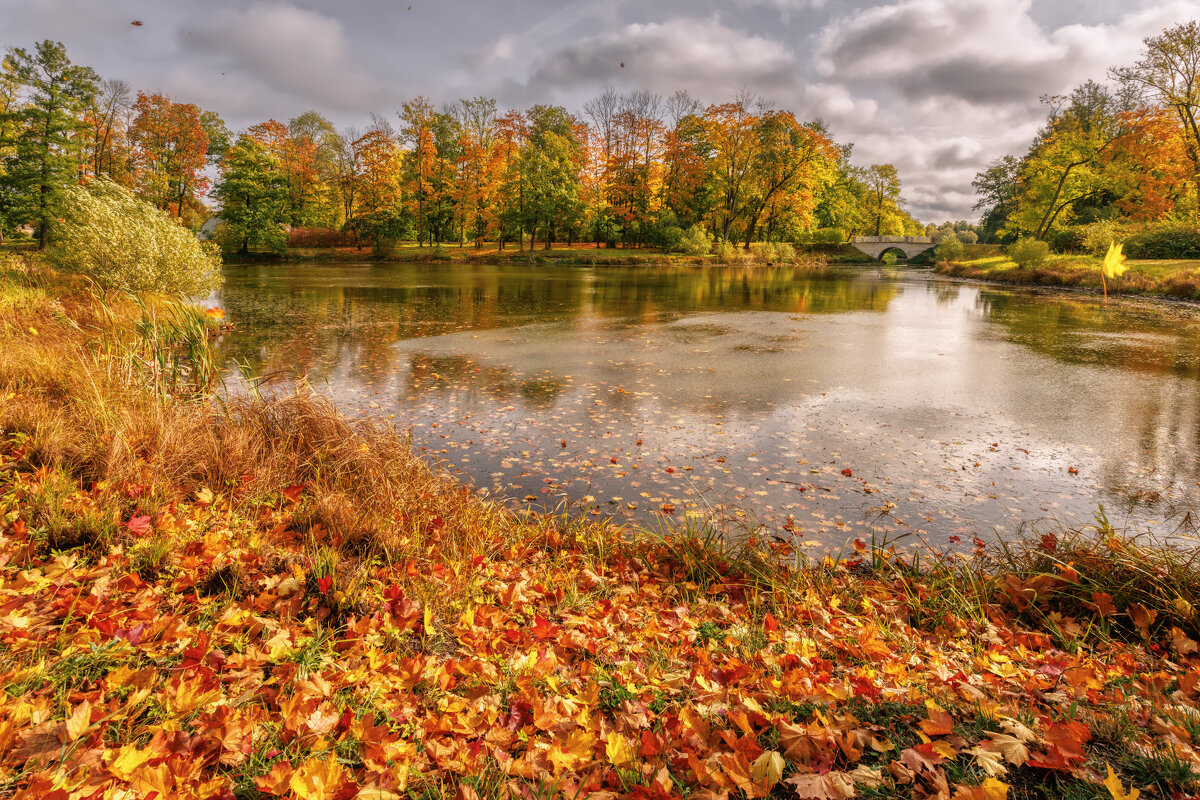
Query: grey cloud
[(703, 56), (957, 155), (288, 49), (981, 80)]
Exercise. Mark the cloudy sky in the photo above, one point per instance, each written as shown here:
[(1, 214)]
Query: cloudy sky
[(936, 87)]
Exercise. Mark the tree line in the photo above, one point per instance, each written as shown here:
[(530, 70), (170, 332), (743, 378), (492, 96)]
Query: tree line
[(627, 169), (1111, 161)]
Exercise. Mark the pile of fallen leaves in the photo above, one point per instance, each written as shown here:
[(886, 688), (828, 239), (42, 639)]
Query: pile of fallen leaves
[(218, 649)]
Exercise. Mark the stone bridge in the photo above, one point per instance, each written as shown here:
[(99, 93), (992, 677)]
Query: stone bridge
[(876, 246)]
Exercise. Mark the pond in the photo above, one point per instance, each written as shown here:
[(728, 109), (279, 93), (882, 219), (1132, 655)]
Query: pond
[(824, 406)]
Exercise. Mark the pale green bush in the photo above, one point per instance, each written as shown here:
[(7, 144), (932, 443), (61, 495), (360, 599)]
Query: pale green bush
[(728, 253), (1098, 236), (829, 236), (696, 241), (122, 242), (773, 252), (1028, 252), (950, 250)]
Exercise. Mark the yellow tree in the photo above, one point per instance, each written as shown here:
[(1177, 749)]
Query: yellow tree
[(730, 129), (790, 162), (478, 169)]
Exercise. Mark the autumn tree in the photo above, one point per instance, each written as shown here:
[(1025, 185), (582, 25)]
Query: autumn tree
[(602, 111), (109, 131), (253, 194), (381, 214), (417, 117), (687, 188), (883, 183), (512, 134), (343, 175), (1078, 160), (791, 162), (311, 181), (305, 149), (731, 132), (172, 143), (1169, 73), (478, 167), (46, 131)]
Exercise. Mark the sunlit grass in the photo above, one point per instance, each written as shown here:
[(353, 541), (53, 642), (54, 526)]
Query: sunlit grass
[(1174, 277)]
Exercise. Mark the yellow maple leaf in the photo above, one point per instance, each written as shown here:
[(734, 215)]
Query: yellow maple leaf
[(128, 761), (576, 750), (768, 767), (79, 721), (994, 789), (316, 779), (989, 761), (619, 750), (1114, 261), (1113, 784)]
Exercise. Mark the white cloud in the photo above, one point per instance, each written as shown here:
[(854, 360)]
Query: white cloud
[(982, 51)]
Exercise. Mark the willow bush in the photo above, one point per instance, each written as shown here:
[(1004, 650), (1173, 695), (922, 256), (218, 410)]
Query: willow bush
[(123, 242)]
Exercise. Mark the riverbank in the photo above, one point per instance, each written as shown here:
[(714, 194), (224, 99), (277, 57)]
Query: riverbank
[(1169, 278), (560, 255), (264, 598)]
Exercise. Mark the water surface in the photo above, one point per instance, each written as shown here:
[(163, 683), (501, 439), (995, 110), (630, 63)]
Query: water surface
[(824, 406)]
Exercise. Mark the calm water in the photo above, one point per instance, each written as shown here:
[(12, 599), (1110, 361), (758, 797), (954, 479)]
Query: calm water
[(809, 403)]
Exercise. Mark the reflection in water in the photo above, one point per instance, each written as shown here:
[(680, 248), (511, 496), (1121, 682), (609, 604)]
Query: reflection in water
[(810, 401)]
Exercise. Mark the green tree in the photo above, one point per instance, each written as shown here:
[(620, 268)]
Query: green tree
[(123, 242), (550, 172), (47, 130), (883, 182), (1071, 166), (253, 195)]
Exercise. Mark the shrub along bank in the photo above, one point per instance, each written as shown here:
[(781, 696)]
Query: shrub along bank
[(261, 597)]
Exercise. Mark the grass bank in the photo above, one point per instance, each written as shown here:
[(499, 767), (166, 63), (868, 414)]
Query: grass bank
[(260, 598), (1171, 278)]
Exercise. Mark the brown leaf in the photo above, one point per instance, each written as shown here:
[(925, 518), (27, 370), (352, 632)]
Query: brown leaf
[(1183, 645), (939, 723), (1142, 617)]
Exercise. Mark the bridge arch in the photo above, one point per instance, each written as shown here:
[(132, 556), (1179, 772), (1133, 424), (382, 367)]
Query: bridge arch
[(876, 246)]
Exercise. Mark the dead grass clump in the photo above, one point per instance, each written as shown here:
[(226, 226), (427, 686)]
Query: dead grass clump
[(1185, 286), (1093, 577)]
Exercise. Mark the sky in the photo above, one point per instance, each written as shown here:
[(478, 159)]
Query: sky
[(939, 88)]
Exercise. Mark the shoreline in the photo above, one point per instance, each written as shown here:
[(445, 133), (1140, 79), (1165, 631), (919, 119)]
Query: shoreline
[(1081, 281)]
